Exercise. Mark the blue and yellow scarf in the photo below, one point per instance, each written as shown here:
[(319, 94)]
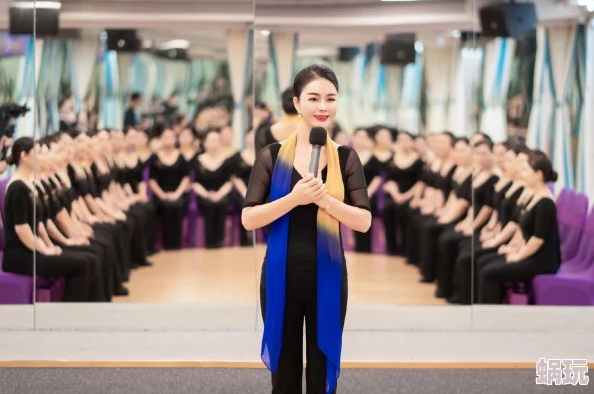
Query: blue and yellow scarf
[(329, 260)]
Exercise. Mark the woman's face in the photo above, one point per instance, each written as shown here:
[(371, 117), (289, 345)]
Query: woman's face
[(475, 139), (383, 138), (462, 154), (420, 146), (361, 140), (39, 163), (442, 145), (318, 103), (141, 139), (404, 141), (531, 177), (499, 152), (226, 136), (168, 139), (186, 138), (212, 142), (483, 157), (341, 138), (510, 164)]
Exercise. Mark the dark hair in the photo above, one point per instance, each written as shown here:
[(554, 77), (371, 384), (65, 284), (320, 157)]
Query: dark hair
[(487, 142), (539, 161), (406, 133), (452, 137), (484, 136), (462, 139), (287, 102), (20, 146), (311, 73), (135, 96), (507, 145)]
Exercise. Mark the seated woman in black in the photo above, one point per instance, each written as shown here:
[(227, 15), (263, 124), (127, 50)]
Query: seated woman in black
[(136, 187), (383, 149), (403, 175), (91, 209), (268, 133), (213, 186), (241, 165), (189, 146), (507, 191), (169, 180), (423, 227), (22, 241), (541, 251), (480, 202), (362, 143)]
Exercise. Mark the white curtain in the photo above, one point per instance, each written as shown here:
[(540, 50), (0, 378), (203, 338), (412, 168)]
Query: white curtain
[(239, 54), (393, 92), (84, 58), (346, 105), (29, 67), (409, 115), (585, 161), (467, 78), (499, 54), (562, 43), (539, 124), (283, 54), (438, 76), (369, 99)]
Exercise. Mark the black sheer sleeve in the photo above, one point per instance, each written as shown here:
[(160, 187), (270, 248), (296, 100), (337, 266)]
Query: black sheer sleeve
[(258, 188), (356, 185)]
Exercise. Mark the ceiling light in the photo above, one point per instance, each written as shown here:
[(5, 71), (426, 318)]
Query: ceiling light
[(456, 33), (265, 33)]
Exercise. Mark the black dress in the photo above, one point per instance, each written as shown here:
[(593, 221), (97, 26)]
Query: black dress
[(242, 170), (134, 176), (539, 221), (301, 297), (214, 213), (22, 207), (171, 213), (372, 169), (394, 214)]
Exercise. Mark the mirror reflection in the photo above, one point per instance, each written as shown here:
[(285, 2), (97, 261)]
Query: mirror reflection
[(141, 155), (402, 87), (534, 245)]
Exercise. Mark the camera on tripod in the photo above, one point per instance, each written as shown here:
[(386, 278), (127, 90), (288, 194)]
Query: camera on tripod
[(7, 112)]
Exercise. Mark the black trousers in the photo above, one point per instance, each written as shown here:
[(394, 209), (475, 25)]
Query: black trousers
[(113, 237), (429, 232), (301, 303), (449, 243), (80, 271), (171, 214), (215, 214), (466, 274), (394, 217)]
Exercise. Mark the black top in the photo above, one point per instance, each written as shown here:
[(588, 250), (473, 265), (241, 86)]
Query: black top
[(540, 221), (463, 190), (483, 194), (372, 169), (444, 183), (212, 180), (302, 242), (508, 206), (168, 177), (18, 209), (499, 195), (239, 168), (263, 136), (407, 177), (134, 175)]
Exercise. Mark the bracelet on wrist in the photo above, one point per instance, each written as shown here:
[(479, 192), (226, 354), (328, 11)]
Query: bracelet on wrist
[(329, 203)]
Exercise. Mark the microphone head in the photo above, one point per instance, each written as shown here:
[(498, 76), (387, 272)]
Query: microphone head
[(318, 136)]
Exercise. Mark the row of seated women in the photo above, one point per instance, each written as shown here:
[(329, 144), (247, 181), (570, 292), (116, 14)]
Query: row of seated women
[(84, 205), (472, 217)]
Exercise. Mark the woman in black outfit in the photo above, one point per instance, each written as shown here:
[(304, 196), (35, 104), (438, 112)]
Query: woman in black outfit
[(267, 133), (425, 224), (315, 91), (403, 175), (241, 168), (540, 251), (23, 244), (479, 211), (362, 144), (213, 186), (169, 180)]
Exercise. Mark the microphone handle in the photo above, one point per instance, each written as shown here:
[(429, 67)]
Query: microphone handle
[(315, 159)]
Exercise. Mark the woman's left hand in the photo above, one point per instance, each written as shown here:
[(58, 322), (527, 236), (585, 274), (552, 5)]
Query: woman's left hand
[(512, 258)]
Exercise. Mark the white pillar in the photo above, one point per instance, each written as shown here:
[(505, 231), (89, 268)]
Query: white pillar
[(240, 57), (283, 53)]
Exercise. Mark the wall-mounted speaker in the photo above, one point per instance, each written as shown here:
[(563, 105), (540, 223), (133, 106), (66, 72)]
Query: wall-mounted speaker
[(398, 49), (347, 54), (123, 40), (21, 16), (508, 19)]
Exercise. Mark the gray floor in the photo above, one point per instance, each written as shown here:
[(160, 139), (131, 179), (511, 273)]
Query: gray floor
[(252, 381)]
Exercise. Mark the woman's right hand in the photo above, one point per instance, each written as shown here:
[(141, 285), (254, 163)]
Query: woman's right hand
[(308, 190)]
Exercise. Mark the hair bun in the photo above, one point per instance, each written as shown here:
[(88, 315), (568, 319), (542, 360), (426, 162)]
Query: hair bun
[(554, 176), (10, 160)]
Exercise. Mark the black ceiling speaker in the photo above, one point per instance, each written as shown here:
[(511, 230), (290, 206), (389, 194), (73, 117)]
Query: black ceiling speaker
[(399, 49), (508, 19), (347, 54), (123, 40), (21, 15)]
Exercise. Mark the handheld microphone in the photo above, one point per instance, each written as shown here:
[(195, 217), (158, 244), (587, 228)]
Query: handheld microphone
[(317, 138)]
